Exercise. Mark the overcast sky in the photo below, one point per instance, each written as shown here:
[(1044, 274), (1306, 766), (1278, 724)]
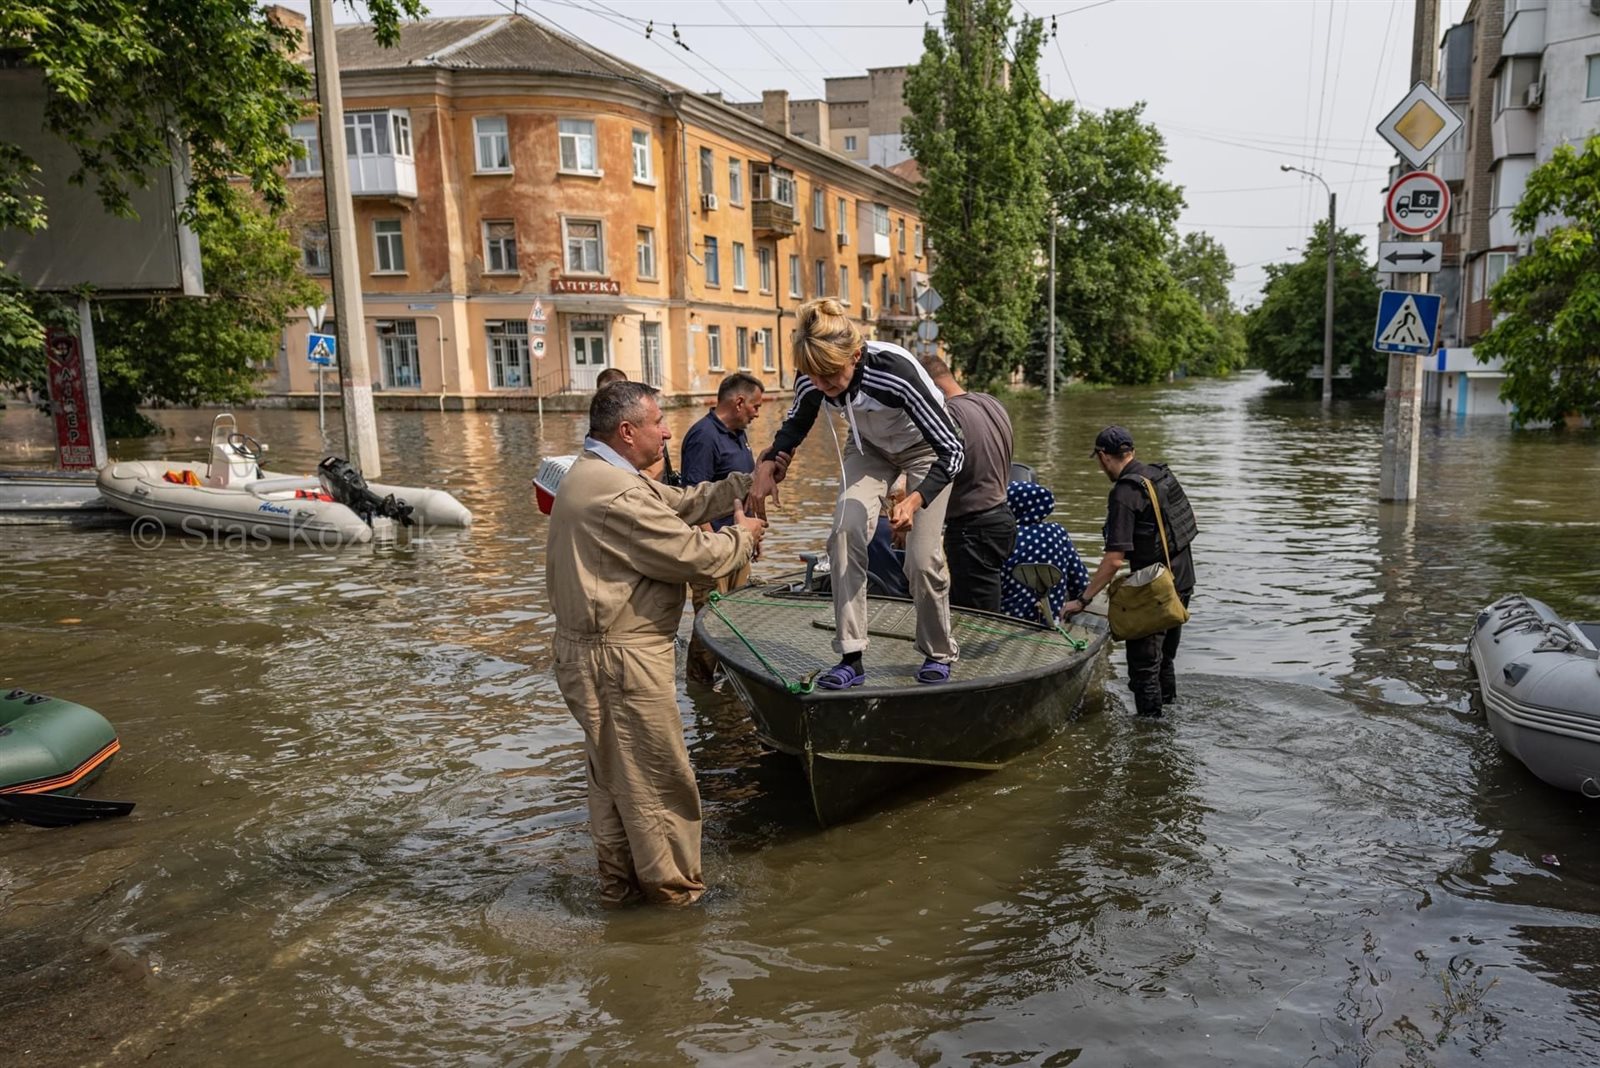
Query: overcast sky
[(1238, 87)]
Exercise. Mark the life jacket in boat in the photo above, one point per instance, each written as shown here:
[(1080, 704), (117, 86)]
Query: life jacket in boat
[(1176, 514)]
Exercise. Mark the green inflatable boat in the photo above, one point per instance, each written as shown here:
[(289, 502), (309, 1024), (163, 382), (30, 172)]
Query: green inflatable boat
[(49, 750)]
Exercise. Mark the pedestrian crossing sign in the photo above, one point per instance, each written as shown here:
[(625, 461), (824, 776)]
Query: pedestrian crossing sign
[(1408, 323), (320, 349)]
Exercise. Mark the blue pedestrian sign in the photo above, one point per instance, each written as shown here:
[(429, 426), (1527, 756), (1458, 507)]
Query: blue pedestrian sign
[(1408, 323), (321, 349)]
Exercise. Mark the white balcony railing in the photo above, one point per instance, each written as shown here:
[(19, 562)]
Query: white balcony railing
[(383, 176)]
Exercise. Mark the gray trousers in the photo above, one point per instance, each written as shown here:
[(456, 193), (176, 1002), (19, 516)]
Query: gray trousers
[(867, 478)]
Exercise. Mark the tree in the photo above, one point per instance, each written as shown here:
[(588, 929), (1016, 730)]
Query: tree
[(1116, 218), (976, 129), (1201, 265), (1284, 331), (1549, 340), (129, 82)]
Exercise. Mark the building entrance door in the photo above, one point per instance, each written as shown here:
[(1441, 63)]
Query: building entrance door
[(588, 353)]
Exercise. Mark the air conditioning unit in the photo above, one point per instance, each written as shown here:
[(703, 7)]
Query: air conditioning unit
[(1534, 96), (708, 202), (844, 239)]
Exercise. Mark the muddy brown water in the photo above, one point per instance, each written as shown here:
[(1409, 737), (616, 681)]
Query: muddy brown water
[(361, 834)]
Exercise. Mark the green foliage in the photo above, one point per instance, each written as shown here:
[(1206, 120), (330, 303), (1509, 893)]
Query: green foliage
[(976, 127), (1113, 283), (1549, 340), (1284, 332), (185, 350), (130, 81)]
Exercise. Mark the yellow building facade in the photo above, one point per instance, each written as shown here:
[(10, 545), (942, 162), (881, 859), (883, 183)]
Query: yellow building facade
[(529, 212)]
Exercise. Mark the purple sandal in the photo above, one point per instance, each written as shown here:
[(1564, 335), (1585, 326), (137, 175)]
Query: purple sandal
[(933, 671), (840, 677)]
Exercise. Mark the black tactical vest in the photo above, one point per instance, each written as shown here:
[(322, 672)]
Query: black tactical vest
[(1176, 514)]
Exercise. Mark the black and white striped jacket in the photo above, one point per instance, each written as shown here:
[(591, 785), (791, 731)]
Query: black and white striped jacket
[(892, 405)]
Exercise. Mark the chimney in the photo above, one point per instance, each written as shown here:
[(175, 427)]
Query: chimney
[(292, 20), (775, 110)]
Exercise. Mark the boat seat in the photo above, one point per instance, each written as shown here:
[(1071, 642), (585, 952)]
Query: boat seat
[(230, 467)]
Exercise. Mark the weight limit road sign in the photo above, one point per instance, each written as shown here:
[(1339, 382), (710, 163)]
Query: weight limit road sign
[(1417, 202), (1410, 257)]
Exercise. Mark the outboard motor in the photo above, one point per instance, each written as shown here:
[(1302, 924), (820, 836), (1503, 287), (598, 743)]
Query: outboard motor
[(341, 481)]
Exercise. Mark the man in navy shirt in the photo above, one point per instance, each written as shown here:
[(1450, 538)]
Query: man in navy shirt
[(714, 448)]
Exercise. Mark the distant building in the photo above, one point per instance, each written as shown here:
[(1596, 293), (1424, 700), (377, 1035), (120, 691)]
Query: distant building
[(495, 162), (1525, 77), (860, 119)]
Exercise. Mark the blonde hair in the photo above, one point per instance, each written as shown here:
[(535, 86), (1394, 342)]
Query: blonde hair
[(825, 340)]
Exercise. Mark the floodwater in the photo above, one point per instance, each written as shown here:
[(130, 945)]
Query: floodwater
[(360, 835)]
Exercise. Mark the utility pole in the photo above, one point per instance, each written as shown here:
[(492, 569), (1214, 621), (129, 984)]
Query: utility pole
[(1402, 397), (1327, 289), (1050, 352), (355, 377)]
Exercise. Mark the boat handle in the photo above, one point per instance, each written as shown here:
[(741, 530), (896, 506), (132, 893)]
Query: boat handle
[(1590, 789)]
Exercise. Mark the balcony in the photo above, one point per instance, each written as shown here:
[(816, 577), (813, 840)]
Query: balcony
[(383, 176), (872, 224), (1524, 32), (1501, 232), (772, 219), (1515, 132)]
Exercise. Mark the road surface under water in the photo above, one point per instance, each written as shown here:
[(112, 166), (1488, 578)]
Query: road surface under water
[(361, 831)]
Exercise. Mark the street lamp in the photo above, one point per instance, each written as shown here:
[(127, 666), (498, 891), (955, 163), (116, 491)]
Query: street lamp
[(1327, 310)]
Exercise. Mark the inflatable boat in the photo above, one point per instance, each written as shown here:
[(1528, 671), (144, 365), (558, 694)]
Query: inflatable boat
[(232, 494), (548, 479), (50, 750), (1540, 679)]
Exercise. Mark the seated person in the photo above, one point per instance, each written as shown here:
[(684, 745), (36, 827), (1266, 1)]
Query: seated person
[(1039, 542)]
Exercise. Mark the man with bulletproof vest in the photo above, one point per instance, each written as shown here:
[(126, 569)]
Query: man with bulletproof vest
[(1132, 537)]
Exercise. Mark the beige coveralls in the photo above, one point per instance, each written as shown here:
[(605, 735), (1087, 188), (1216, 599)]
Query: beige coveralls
[(621, 549)]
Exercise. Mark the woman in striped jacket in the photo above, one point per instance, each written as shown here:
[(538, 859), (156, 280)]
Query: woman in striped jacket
[(896, 424)]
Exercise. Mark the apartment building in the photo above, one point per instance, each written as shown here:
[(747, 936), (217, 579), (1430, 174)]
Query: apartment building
[(1532, 84), (531, 211), (859, 119)]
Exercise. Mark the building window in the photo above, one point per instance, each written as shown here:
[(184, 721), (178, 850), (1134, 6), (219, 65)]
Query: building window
[(819, 278), (741, 344), (819, 210), (900, 234), (714, 347), (794, 277), (646, 245), (844, 285), (314, 248), (508, 353), (586, 251), (772, 183), (708, 178), (844, 224), (739, 281), (1495, 268), (390, 246), (642, 170), (397, 351), (1593, 83), (917, 244), (849, 142), (880, 220), (366, 133), (769, 360), (650, 353), (905, 295), (883, 299), (1516, 75), (577, 146), (305, 135), (500, 246), (866, 292), (401, 121), (494, 143), (735, 181), (713, 266), (764, 268)]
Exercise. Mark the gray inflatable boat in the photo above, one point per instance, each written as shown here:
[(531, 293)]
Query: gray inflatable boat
[(1540, 679)]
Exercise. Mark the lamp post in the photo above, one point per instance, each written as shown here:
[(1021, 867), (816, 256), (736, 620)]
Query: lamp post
[(1327, 310)]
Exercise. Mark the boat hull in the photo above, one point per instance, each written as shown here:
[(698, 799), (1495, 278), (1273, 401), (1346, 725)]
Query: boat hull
[(53, 497), (270, 513), (50, 746), (1539, 680), (856, 745)]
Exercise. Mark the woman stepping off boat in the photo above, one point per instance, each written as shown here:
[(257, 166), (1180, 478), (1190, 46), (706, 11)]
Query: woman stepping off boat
[(897, 424)]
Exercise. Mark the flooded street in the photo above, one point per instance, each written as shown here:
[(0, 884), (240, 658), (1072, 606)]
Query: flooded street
[(361, 828)]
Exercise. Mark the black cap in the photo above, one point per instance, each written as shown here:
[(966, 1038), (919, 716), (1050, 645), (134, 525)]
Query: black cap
[(1113, 440)]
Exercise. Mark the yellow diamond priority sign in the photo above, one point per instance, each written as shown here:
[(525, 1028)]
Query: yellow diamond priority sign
[(1419, 125)]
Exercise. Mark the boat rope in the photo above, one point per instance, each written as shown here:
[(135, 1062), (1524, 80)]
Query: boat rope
[(1076, 644), (801, 688)]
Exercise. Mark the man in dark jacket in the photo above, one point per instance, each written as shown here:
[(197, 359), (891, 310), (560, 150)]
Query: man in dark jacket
[(1133, 536)]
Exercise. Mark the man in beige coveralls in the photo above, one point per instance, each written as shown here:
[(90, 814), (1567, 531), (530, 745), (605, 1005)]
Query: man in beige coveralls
[(621, 548)]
